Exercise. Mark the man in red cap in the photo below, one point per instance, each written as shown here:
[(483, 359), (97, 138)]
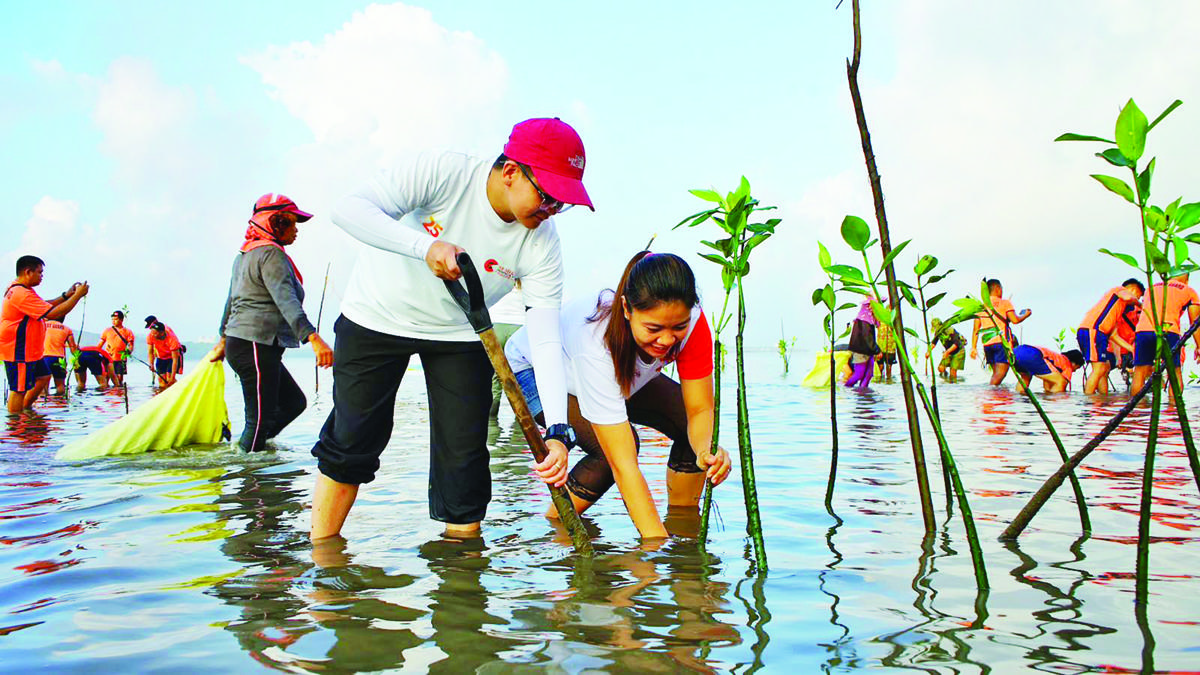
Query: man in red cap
[(416, 219)]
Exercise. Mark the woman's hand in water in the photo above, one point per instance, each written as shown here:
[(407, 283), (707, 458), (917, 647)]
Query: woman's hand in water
[(716, 467)]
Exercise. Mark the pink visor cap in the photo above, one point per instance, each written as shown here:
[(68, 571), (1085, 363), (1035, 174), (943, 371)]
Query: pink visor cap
[(554, 151), (275, 203)]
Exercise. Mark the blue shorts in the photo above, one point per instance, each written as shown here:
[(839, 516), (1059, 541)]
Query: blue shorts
[(163, 366), (1144, 347), (995, 353), (92, 362), (528, 384), (1084, 338), (23, 375), (55, 365), (1029, 361)]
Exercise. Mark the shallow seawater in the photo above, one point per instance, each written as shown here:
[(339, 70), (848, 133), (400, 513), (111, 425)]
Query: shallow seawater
[(198, 559)]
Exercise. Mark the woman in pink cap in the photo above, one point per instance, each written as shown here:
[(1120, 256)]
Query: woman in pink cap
[(415, 219), (264, 314)]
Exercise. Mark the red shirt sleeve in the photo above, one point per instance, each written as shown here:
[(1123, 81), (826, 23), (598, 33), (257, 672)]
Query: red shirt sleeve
[(696, 358)]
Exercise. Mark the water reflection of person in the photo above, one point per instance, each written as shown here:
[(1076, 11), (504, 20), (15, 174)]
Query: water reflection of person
[(30, 429), (622, 601), (285, 595)]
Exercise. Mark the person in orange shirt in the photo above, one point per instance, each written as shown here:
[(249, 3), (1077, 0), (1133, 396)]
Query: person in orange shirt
[(117, 341), (1099, 327), (1053, 369), (993, 345), (1179, 296), (150, 321), (164, 353), (23, 332), (95, 361), (1127, 329), (58, 338)]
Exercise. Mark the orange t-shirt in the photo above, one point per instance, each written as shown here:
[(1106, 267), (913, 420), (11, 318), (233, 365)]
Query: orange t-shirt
[(1126, 328), (986, 330), (1179, 297), (115, 344), (22, 327), (1058, 362), (164, 346), (56, 338), (1103, 315)]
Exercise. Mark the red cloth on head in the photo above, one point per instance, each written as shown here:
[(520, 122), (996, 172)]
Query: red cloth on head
[(257, 235)]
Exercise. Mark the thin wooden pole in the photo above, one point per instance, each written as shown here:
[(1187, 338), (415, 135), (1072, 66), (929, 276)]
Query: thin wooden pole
[(320, 311)]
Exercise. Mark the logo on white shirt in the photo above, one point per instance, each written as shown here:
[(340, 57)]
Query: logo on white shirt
[(432, 226), (492, 266)]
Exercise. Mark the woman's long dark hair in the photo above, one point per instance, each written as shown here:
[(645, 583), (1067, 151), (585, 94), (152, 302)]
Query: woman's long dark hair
[(650, 279)]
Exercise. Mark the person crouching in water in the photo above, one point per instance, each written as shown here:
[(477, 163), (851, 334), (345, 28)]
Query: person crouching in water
[(264, 314), (863, 346), (616, 344), (165, 353), (1052, 368)]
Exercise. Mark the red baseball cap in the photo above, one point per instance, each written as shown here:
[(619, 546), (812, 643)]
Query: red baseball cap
[(554, 151), (275, 203)]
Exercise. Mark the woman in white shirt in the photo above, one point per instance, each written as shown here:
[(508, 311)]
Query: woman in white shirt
[(616, 344)]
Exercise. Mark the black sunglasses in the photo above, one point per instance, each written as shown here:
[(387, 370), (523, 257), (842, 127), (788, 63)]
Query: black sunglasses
[(548, 203)]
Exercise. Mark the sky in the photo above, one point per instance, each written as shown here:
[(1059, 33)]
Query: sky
[(136, 135)]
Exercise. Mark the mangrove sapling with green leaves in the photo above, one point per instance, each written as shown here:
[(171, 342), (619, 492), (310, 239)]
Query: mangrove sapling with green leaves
[(785, 347), (1163, 238), (925, 265), (827, 296), (732, 213), (857, 235), (1085, 522)]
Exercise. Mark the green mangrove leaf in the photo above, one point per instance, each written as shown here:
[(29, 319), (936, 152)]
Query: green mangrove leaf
[(848, 271), (1158, 261), (969, 305), (847, 305), (717, 259), (1193, 237), (934, 300), (823, 256), (1131, 131), (1082, 137), (1143, 182), (1116, 186), (1125, 258), (1155, 219), (938, 277), (856, 233), (1171, 209), (857, 290), (816, 295), (827, 297), (1187, 268), (736, 222), (882, 313), (695, 218), (827, 321), (707, 195), (1181, 251), (908, 295), (912, 332), (1166, 112), (924, 265), (728, 276), (887, 260), (752, 243), (1113, 156), (1187, 216), (712, 245), (743, 190)]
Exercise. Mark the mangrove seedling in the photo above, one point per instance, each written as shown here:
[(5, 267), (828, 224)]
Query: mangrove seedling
[(827, 296), (732, 212)]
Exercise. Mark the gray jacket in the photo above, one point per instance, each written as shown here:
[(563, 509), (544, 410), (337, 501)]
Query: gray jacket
[(266, 300)]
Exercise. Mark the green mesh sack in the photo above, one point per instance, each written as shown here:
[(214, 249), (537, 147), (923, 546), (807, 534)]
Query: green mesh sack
[(190, 412)]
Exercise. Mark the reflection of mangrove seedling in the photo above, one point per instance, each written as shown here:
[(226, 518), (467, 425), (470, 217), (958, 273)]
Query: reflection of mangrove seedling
[(732, 213), (857, 235), (827, 295)]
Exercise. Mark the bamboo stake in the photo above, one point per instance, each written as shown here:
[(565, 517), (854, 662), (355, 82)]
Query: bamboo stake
[(320, 311), (906, 384)]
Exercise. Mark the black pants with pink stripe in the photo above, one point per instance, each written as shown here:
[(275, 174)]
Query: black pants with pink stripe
[(273, 399)]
